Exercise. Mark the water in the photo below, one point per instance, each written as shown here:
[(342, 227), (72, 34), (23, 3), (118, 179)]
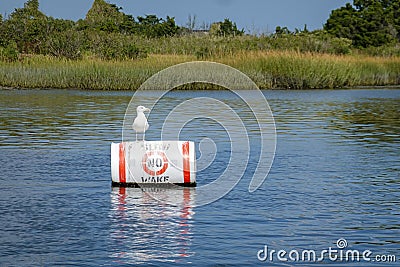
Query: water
[(335, 175)]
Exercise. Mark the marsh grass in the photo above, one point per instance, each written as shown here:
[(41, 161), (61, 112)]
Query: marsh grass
[(271, 69)]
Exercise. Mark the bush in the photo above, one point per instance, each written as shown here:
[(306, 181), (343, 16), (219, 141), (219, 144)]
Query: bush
[(203, 53), (390, 50), (9, 53), (115, 47), (65, 44), (340, 46)]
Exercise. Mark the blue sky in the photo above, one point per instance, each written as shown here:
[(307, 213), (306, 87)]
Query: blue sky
[(256, 16)]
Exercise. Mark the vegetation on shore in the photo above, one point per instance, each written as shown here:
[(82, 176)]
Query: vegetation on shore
[(110, 50), (274, 69)]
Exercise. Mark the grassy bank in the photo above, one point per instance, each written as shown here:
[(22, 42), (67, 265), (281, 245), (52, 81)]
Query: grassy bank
[(273, 69)]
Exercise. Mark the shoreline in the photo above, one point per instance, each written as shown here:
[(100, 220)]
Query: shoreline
[(276, 70), (377, 87)]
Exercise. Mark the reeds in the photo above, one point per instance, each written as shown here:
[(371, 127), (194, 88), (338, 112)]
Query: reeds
[(294, 70), (268, 69)]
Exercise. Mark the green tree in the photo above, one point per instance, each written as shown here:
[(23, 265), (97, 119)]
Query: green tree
[(59, 25), (393, 13), (108, 18), (152, 26), (225, 28), (367, 22), (148, 25), (26, 27), (281, 30), (168, 27), (342, 22)]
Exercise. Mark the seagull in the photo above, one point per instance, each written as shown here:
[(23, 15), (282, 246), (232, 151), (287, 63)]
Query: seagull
[(140, 124)]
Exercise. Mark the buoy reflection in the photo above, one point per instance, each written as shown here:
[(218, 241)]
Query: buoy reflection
[(146, 230)]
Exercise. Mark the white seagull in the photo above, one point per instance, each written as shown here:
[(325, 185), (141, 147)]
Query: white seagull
[(140, 124)]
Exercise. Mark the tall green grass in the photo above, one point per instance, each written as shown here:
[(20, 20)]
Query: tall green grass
[(271, 69), (90, 73), (294, 70)]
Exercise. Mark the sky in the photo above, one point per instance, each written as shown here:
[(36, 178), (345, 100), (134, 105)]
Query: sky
[(254, 16)]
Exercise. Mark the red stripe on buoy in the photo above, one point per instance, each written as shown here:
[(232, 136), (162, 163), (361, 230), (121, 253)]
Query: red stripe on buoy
[(122, 169), (186, 163)]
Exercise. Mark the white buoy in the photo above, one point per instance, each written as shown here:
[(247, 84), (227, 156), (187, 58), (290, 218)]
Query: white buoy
[(153, 163)]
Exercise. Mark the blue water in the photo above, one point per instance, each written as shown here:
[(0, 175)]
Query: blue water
[(335, 175)]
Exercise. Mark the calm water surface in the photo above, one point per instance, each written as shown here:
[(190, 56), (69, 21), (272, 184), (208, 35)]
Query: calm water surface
[(335, 175)]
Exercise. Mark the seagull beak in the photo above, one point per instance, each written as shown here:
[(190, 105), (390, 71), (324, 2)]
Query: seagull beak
[(147, 109)]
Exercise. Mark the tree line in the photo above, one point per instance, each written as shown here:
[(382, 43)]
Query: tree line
[(367, 22), (108, 33), (105, 32)]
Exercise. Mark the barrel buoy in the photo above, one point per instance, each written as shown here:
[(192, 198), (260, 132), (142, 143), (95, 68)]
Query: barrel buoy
[(153, 162)]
